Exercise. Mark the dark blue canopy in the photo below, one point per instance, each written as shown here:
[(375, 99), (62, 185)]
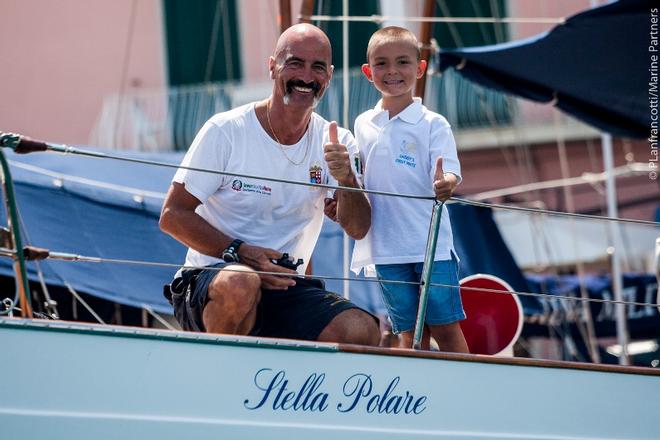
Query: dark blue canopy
[(595, 65)]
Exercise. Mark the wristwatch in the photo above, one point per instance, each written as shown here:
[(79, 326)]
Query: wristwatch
[(230, 255)]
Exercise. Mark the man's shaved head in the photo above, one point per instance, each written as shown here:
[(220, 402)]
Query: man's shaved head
[(299, 32)]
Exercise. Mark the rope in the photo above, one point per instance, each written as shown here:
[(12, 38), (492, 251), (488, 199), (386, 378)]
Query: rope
[(66, 149)]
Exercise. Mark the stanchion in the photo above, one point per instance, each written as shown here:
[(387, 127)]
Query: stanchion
[(427, 270), (17, 244)]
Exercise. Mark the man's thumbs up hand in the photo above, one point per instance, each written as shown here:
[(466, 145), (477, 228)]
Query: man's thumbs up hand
[(337, 157), (333, 133), (443, 184)]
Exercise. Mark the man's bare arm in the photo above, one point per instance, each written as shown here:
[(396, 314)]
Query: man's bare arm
[(353, 209), (179, 219)]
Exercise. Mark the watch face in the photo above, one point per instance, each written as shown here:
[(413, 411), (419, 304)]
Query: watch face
[(230, 256)]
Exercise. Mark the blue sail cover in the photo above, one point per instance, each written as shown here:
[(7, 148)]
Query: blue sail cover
[(110, 209), (595, 65)]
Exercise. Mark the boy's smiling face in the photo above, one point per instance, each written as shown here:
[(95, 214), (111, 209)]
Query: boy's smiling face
[(394, 69)]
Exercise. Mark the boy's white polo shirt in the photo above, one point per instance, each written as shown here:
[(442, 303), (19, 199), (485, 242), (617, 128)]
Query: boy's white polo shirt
[(399, 156)]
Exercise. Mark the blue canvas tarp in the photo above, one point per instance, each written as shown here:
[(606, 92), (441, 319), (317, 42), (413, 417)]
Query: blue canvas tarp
[(595, 66), (110, 209)]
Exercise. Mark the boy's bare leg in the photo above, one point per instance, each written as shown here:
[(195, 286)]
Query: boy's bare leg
[(450, 338), (406, 339)]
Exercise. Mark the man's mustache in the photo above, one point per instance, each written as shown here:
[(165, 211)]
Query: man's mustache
[(315, 86)]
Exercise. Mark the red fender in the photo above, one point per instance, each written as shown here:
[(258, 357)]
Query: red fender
[(494, 320)]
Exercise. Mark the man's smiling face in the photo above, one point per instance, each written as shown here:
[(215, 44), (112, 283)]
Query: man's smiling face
[(301, 67)]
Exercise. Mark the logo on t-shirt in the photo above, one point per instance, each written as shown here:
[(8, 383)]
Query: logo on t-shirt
[(407, 154), (239, 186)]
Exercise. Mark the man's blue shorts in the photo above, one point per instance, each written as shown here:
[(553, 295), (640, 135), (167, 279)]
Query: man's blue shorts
[(402, 300), (300, 312)]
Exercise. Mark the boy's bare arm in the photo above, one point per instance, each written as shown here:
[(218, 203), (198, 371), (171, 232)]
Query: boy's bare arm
[(444, 184)]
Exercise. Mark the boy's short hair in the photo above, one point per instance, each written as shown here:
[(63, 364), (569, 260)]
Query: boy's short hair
[(393, 33)]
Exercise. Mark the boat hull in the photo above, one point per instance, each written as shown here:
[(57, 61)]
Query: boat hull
[(69, 381)]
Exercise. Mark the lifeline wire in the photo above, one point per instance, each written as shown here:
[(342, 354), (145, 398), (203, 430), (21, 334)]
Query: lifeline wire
[(82, 258), (67, 149)]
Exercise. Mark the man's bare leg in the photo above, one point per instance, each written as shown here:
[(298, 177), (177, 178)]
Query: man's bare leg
[(232, 301), (352, 326)]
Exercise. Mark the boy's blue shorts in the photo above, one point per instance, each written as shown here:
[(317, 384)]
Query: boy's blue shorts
[(402, 300)]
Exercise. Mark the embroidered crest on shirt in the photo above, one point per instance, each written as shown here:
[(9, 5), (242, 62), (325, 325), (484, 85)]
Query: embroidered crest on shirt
[(407, 154), (315, 173)]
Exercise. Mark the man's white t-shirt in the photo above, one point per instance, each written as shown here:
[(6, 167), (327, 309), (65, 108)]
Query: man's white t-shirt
[(399, 156), (280, 216)]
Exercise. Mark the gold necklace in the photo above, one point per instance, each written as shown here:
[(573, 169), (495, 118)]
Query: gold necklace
[(280, 143)]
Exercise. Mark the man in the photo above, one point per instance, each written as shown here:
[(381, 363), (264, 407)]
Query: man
[(253, 222)]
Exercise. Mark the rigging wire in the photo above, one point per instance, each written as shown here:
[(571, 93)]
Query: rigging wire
[(67, 149), (158, 318), (455, 35), (213, 43), (383, 18), (77, 296), (229, 56), (124, 71)]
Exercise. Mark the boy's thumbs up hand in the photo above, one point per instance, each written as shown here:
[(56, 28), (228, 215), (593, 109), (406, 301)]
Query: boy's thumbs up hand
[(337, 157), (443, 184)]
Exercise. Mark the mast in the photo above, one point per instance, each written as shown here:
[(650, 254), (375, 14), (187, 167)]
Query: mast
[(284, 17), (425, 39)]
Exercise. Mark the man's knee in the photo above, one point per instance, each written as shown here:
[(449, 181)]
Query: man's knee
[(352, 326), (237, 291)]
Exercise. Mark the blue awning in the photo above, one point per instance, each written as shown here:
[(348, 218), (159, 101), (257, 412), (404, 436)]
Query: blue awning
[(595, 67)]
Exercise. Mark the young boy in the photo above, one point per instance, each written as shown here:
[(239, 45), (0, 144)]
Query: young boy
[(408, 149)]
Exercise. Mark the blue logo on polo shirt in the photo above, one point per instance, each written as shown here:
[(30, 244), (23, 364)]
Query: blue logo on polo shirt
[(407, 154)]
